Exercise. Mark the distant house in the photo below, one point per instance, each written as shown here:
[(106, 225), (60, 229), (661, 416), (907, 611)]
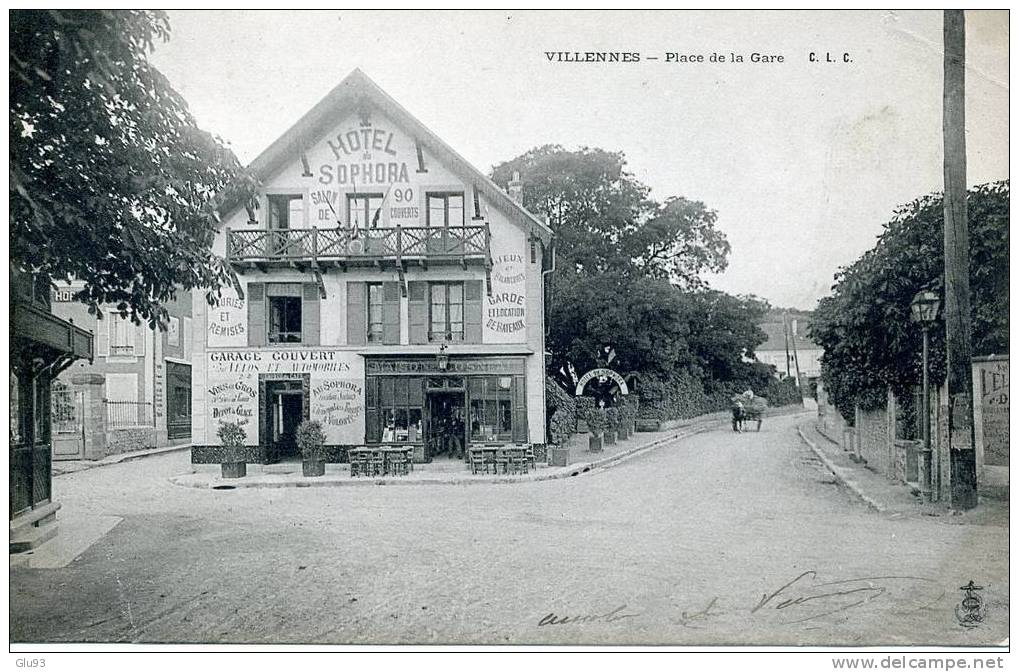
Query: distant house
[(135, 393), (789, 345)]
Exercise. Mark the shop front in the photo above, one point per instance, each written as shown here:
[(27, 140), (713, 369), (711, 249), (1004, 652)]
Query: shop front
[(440, 405)]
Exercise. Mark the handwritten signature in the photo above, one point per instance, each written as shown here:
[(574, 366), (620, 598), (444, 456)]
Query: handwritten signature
[(617, 614), (809, 599), (687, 619)]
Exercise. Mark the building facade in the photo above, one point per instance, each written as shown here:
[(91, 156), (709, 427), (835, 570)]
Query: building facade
[(788, 347), (134, 394), (386, 289)]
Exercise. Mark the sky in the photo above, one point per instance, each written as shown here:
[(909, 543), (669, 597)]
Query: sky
[(803, 161)]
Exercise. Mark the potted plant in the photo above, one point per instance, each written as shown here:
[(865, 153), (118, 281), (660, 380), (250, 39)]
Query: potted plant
[(231, 438), (596, 424), (310, 439)]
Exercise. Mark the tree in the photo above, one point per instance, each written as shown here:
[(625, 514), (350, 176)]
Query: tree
[(864, 326), (629, 277), (604, 219), (111, 181)]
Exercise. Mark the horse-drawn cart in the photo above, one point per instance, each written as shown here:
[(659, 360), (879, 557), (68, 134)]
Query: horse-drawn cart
[(747, 408)]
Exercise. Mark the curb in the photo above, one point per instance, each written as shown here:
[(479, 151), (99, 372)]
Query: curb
[(569, 471), (840, 476), (125, 457)]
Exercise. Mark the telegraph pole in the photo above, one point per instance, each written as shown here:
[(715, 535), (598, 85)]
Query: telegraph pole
[(962, 456)]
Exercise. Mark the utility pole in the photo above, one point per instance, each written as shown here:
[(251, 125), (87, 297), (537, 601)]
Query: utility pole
[(796, 355), (961, 453), (785, 333)]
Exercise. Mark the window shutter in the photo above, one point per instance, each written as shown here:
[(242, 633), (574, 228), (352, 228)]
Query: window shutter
[(472, 311), (356, 314), (372, 429), (391, 313), (188, 339), (519, 410), (103, 327), (139, 337), (310, 315), (417, 311), (256, 313)]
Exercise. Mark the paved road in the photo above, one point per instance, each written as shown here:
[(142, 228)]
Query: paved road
[(700, 542)]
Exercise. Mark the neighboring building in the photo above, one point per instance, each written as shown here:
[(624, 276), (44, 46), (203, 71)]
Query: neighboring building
[(787, 345), (41, 346), (135, 394), (388, 290)]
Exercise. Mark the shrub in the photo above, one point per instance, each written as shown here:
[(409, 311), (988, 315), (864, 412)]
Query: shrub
[(612, 419), (231, 434), (310, 439)]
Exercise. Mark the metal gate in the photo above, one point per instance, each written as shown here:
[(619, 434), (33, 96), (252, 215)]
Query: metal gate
[(67, 411)]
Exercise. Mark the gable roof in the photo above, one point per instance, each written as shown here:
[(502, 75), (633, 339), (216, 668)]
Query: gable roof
[(353, 92), (776, 337)]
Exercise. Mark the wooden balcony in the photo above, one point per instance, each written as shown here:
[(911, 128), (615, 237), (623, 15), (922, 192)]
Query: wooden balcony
[(339, 248)]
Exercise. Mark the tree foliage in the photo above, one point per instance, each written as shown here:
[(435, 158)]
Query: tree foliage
[(111, 181), (864, 326), (605, 221), (629, 277)]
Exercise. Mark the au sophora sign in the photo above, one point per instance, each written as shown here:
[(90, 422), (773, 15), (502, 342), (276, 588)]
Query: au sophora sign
[(601, 374)]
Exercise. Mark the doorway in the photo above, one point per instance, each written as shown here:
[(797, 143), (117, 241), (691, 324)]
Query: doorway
[(446, 433), (284, 412)]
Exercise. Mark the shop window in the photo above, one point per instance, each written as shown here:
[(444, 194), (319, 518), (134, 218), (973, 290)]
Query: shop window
[(284, 319), (446, 304), (401, 403), (445, 209), (375, 319), (361, 208), (491, 408)]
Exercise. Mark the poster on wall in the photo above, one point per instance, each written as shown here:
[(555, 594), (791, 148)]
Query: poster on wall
[(227, 322), (505, 310), (337, 389), (232, 397), (990, 387)]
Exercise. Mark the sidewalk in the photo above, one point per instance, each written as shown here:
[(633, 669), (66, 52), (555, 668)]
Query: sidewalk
[(455, 472), (61, 467), (446, 472), (890, 497)]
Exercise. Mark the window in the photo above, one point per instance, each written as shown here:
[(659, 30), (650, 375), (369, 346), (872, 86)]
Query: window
[(491, 408), (447, 311), (445, 209), (284, 319), (401, 401), (361, 208), (374, 312), (121, 336), (285, 211)]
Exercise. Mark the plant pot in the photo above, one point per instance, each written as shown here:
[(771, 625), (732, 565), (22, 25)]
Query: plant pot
[(610, 438), (233, 469), (311, 468), (594, 443)]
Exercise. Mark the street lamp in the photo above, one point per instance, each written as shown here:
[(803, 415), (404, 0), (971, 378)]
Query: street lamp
[(924, 310), (442, 359)]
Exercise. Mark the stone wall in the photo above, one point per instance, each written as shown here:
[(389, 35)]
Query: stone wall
[(121, 440), (872, 434)]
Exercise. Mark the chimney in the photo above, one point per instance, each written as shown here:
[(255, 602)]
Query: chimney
[(516, 188)]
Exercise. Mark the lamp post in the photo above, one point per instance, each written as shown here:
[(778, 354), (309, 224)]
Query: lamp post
[(924, 310)]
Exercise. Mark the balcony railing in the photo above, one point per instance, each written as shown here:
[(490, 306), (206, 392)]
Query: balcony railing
[(462, 244)]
